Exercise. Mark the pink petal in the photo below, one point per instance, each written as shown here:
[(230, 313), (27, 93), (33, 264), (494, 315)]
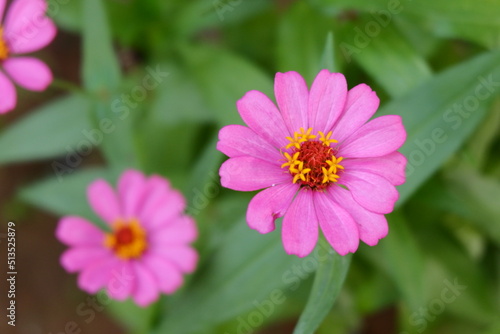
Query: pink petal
[(168, 278), (2, 8), (337, 224), (184, 258), (122, 281), (103, 201), (262, 116), (27, 29), (78, 258), (146, 290), (391, 166), (155, 191), (380, 136), (292, 95), (180, 232), (327, 100), (237, 141), (300, 225), (361, 104), (77, 231), (130, 192), (372, 226), (97, 276), (248, 174), (29, 73), (166, 211), (270, 204), (9, 96), (371, 191)]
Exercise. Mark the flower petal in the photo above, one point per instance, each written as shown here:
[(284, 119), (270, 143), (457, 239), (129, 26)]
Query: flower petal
[(380, 136), (248, 174), (97, 276), (391, 166), (130, 192), (300, 225), (77, 231), (371, 191), (326, 100), (103, 201), (28, 72), (361, 104), (180, 232), (268, 205), (122, 281), (292, 95), (78, 258), (2, 8), (337, 224), (167, 210), (238, 140), (155, 190), (9, 96), (27, 28), (168, 277), (146, 288), (262, 116), (371, 226), (183, 257)]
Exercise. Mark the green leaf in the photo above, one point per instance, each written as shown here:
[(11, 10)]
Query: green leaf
[(328, 282), (233, 282), (101, 71), (403, 260), (66, 197), (224, 78), (473, 20), (387, 57), (438, 115), (137, 319), (47, 132), (301, 40)]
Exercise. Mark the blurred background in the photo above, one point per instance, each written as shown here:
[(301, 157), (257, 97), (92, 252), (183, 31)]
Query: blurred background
[(436, 63)]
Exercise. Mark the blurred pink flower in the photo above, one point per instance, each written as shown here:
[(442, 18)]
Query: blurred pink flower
[(25, 29), (148, 249), (321, 159)]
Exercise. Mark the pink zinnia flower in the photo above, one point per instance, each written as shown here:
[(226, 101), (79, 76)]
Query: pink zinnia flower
[(320, 159), (25, 29), (148, 247)]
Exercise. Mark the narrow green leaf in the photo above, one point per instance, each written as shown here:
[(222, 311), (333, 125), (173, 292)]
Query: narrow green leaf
[(65, 197), (233, 282), (439, 115), (224, 78), (301, 40), (404, 261), (387, 57), (46, 132), (473, 20), (101, 71), (328, 58), (328, 282), (137, 319)]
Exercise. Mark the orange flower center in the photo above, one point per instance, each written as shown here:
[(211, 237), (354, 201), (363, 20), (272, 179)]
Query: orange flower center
[(312, 162), (128, 239), (4, 50)]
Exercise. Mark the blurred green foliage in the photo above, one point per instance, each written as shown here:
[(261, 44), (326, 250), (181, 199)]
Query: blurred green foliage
[(435, 63)]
